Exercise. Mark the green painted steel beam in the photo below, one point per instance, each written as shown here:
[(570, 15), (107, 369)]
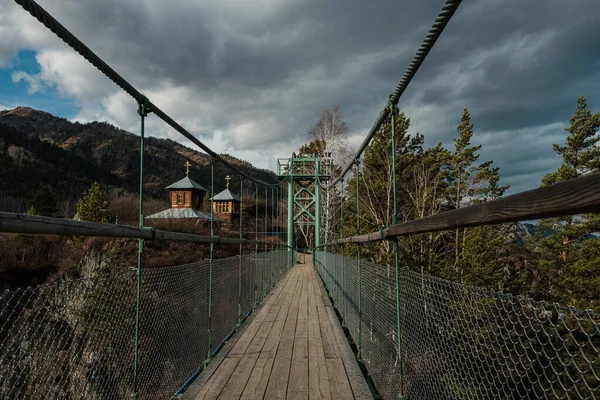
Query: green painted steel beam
[(304, 210), (304, 189), (304, 173)]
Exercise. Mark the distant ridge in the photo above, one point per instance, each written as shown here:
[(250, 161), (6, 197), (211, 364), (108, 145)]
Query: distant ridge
[(523, 231), (39, 149)]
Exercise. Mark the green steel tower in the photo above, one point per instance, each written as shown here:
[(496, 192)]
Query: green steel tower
[(304, 176)]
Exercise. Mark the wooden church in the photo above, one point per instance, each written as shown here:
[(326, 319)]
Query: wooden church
[(186, 197), (226, 204)]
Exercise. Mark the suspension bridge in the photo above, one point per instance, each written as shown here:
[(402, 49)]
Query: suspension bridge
[(270, 323)]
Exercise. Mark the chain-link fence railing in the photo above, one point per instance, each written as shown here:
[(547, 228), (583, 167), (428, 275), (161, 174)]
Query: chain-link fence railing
[(463, 342), (75, 339), (70, 339)]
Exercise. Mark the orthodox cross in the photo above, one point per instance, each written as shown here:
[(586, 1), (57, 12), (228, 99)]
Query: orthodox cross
[(187, 167), (227, 178)]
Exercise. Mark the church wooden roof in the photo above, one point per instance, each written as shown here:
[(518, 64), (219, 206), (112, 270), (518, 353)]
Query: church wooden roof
[(186, 183), (226, 195)]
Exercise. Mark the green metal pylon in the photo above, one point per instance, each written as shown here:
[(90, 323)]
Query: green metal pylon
[(256, 291), (240, 260), (143, 110), (210, 265), (358, 250), (393, 111), (304, 176), (290, 218), (317, 205)]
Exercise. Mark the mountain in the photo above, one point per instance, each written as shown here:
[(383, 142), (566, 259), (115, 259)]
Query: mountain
[(38, 149), (523, 231)]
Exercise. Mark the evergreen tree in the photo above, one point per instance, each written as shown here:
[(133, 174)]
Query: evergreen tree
[(492, 258), (376, 185), (93, 205), (425, 183), (43, 202), (31, 210), (469, 183), (485, 184), (316, 146), (580, 153), (567, 254), (463, 158)]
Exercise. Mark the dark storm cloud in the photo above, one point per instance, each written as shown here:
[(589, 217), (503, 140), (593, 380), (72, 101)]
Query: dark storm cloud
[(554, 58), (262, 72)]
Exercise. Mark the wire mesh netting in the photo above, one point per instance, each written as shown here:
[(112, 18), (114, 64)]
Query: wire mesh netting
[(75, 338), (248, 294), (464, 342), (173, 326), (352, 298), (69, 339), (379, 321), (224, 298)]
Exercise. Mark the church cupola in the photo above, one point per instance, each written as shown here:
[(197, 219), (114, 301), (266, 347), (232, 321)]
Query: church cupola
[(186, 196), (186, 193), (226, 203)]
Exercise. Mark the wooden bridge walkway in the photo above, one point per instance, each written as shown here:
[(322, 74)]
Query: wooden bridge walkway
[(291, 348)]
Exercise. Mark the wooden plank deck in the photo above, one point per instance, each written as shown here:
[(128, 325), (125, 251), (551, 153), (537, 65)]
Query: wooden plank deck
[(291, 348)]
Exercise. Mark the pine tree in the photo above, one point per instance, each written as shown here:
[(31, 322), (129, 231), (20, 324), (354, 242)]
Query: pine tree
[(376, 185), (469, 183), (463, 158), (488, 256), (93, 206), (567, 255), (425, 183), (485, 185), (580, 153), (581, 156), (43, 202)]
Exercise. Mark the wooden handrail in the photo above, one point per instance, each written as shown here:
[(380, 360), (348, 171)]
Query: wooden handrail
[(575, 196), (34, 224)]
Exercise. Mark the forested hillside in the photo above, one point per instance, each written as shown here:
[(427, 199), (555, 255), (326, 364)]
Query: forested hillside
[(38, 149), (47, 164), (555, 259)]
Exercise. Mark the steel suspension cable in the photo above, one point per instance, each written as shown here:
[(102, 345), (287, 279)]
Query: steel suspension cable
[(434, 33), (69, 38)]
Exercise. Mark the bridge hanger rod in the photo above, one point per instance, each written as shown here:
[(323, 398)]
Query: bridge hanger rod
[(63, 33), (575, 196), (432, 36)]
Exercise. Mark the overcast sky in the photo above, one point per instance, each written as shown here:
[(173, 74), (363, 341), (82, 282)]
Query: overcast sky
[(249, 77)]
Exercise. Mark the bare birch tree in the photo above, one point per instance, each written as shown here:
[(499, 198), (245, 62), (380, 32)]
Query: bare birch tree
[(328, 140)]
